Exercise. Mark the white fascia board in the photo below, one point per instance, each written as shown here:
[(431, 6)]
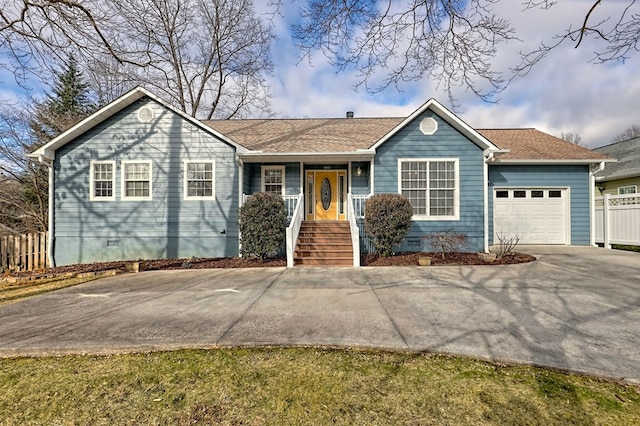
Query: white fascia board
[(48, 150), (617, 177), (306, 157), (549, 162), (447, 116)]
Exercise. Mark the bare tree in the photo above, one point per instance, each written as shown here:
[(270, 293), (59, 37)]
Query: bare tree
[(450, 42), (573, 138), (23, 192), (198, 51), (620, 32), (630, 132), (23, 128), (208, 57)]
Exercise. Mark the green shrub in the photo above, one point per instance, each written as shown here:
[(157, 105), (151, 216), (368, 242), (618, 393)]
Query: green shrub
[(262, 222), (387, 221)]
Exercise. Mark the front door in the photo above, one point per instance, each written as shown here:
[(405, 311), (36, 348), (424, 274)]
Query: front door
[(326, 195)]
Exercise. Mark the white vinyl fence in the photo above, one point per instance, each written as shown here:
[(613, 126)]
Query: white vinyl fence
[(617, 220)]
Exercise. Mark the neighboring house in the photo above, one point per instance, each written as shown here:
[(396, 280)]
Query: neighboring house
[(623, 176), (140, 179)]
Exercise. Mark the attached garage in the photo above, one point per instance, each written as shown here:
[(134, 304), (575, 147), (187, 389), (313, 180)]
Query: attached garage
[(535, 215)]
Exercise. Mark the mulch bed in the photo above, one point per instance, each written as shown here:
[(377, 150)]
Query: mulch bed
[(411, 259), (398, 259)]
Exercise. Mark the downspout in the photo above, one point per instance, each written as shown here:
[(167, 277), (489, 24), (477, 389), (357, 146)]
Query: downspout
[(240, 164), (592, 202), (51, 207), (488, 158)]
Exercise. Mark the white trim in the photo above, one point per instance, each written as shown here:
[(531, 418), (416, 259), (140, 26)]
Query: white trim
[(428, 126), (525, 162), (51, 213), (635, 189), (485, 195), (263, 185), (92, 196), (123, 181), (456, 189), (448, 117), (185, 180), (306, 157), (48, 150)]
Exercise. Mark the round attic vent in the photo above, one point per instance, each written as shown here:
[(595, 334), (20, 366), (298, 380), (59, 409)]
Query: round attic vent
[(429, 126), (145, 114)]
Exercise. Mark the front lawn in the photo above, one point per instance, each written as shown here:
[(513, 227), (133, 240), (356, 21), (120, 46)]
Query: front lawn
[(278, 386)]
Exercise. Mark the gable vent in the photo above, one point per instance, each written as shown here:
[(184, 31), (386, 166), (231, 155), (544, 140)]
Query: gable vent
[(145, 114), (429, 126)]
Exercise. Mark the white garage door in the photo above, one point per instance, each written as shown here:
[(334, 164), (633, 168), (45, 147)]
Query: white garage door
[(536, 216)]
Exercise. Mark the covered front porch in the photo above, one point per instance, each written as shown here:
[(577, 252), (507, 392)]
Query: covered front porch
[(324, 202)]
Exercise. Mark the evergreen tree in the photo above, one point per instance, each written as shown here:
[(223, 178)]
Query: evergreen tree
[(24, 188), (69, 102)]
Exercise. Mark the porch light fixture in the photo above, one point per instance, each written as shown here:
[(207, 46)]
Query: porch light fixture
[(359, 171)]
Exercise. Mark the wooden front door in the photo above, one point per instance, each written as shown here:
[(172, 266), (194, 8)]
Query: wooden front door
[(326, 195)]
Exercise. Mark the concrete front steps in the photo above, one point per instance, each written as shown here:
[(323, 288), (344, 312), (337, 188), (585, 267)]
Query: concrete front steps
[(324, 243)]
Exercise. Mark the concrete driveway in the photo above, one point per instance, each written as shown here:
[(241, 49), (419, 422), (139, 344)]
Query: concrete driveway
[(575, 308)]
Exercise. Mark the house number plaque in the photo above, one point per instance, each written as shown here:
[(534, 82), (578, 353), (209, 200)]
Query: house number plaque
[(325, 191)]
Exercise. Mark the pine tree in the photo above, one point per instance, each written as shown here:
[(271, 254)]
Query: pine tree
[(24, 188), (69, 102)]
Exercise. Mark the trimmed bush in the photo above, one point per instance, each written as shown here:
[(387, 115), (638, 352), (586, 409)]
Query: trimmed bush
[(262, 222), (387, 221)]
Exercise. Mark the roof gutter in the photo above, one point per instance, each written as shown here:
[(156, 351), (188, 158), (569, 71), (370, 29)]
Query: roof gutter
[(553, 162), (307, 157)]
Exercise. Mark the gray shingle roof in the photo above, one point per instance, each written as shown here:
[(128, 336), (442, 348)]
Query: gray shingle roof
[(324, 135), (628, 155)]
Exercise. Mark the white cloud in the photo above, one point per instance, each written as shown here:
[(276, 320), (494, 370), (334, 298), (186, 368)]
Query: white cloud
[(563, 93)]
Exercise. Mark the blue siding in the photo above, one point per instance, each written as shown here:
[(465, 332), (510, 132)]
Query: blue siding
[(361, 185), (576, 178), (253, 177), (167, 226), (447, 142)]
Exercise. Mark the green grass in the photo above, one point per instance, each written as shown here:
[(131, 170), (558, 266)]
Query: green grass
[(626, 248), (11, 292), (276, 386)]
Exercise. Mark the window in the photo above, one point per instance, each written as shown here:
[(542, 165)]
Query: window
[(502, 194), (555, 194), (136, 180), (519, 194), (273, 179), (102, 180), (431, 185), (537, 194), (199, 180), (631, 189)]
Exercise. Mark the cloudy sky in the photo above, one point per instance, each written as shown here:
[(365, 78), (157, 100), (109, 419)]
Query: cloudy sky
[(565, 93)]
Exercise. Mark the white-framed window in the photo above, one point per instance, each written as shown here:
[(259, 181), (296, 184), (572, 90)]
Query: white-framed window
[(432, 186), (199, 180), (102, 180), (630, 189), (273, 179), (136, 180)]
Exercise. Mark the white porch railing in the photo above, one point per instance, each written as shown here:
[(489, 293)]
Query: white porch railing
[(358, 205), (294, 228), (617, 220), (355, 230), (290, 202)]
